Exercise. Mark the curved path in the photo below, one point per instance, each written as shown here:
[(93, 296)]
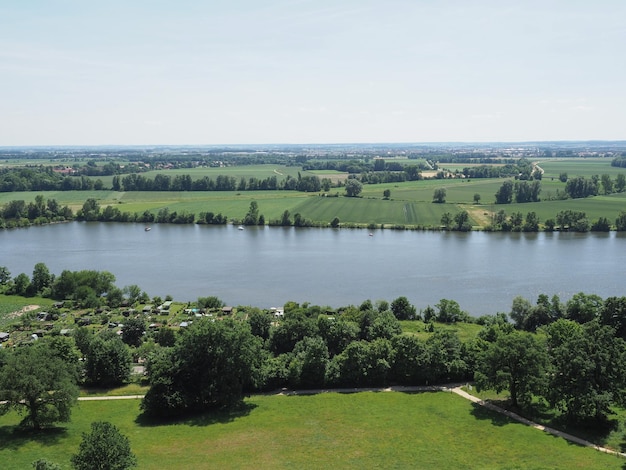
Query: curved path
[(453, 388)]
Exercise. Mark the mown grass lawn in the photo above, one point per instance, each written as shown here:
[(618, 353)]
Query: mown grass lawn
[(362, 430)]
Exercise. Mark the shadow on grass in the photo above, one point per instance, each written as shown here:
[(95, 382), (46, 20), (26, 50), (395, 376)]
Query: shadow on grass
[(205, 419), (14, 437)]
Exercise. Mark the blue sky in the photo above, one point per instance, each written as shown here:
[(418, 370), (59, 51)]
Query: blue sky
[(76, 72)]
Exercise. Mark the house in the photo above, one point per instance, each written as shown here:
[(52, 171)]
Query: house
[(147, 309), (227, 310), (59, 304), (165, 305), (4, 337)]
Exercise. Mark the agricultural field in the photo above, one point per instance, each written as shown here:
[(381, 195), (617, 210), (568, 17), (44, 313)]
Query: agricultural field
[(360, 430), (410, 203)]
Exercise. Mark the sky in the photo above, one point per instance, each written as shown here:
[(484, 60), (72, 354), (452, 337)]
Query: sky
[(217, 72)]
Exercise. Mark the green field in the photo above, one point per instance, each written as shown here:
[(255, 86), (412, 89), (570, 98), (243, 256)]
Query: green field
[(410, 203), (362, 430)]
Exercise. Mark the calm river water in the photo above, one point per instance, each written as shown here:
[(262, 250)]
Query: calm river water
[(267, 266)]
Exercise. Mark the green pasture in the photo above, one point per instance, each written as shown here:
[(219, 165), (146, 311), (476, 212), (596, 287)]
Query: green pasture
[(360, 430), (586, 167)]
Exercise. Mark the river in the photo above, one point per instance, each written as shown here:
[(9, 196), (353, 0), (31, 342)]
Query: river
[(267, 266)]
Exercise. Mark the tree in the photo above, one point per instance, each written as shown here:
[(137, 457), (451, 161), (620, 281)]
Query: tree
[(104, 448), (476, 198), (252, 217), (285, 221), (386, 193), (133, 330), (620, 222), (446, 220), (41, 278), (353, 187), (5, 275), (402, 308), (504, 195), (209, 367), (520, 310), (620, 183), (107, 362), (439, 195), (583, 308), (589, 369), (310, 360), (461, 222), (21, 285), (450, 312), (37, 382), (517, 362)]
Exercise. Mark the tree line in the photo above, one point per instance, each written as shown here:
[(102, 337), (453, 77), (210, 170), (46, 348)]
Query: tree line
[(569, 355)]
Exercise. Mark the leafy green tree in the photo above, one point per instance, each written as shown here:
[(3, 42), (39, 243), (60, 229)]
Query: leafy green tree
[(620, 183), (402, 309), (516, 362), (337, 333), (385, 325), (285, 221), (133, 331), (210, 302), (531, 224), (260, 323), (252, 217), (449, 311), (607, 184), (335, 222), (209, 367), (353, 187), (38, 383), (583, 308), (504, 195), (21, 285), (613, 313), (132, 293), (387, 193), (107, 362), (362, 363), (520, 310), (620, 222), (104, 448), (294, 328), (5, 275), (446, 220), (439, 195), (461, 222), (563, 177), (311, 358), (447, 358), (42, 278), (589, 369), (476, 198), (410, 360)]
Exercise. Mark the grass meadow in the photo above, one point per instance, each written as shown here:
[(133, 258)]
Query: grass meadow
[(360, 430)]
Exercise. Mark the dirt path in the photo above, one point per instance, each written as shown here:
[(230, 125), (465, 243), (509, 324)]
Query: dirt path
[(452, 388)]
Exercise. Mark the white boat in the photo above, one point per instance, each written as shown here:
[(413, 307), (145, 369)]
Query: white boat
[(147, 229), (240, 227)]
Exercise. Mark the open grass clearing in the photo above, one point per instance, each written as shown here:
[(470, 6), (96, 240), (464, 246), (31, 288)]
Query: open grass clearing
[(362, 430)]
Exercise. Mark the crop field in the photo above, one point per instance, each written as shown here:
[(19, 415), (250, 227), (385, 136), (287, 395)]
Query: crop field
[(361, 430)]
